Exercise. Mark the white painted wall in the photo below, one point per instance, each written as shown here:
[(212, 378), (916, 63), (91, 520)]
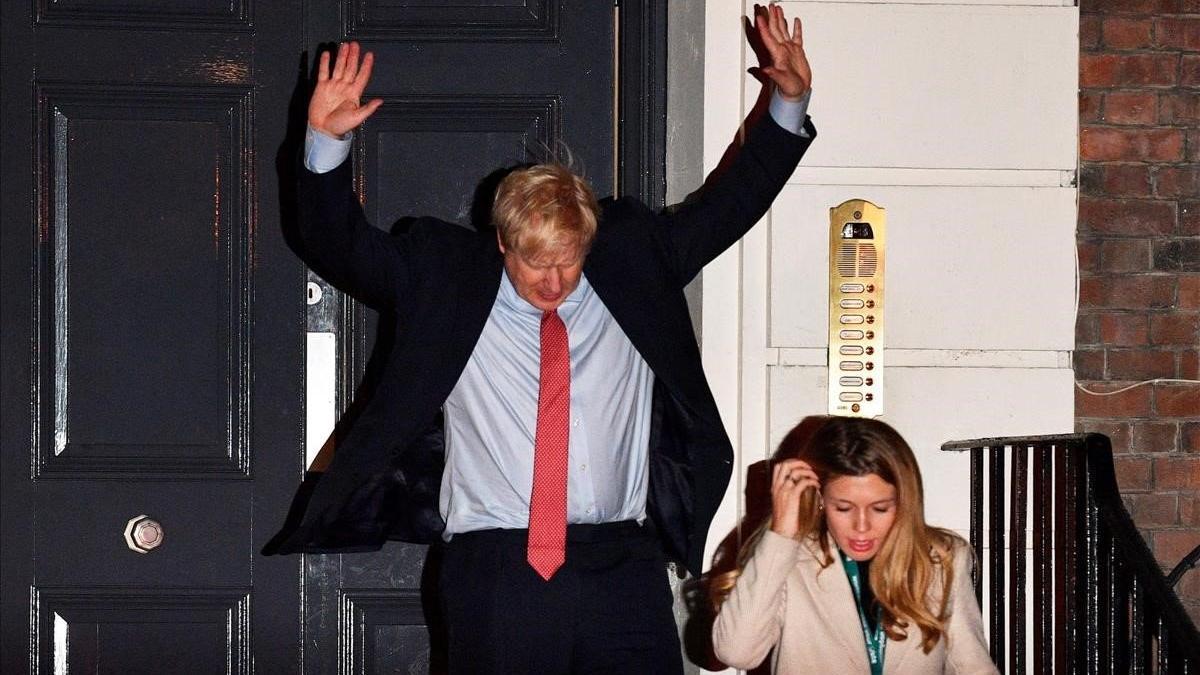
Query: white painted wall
[(960, 120)]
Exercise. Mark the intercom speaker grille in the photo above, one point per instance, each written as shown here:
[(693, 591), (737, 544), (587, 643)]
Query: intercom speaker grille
[(857, 259)]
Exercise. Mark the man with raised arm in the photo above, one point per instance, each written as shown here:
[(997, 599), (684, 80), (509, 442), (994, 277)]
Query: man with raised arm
[(543, 411)]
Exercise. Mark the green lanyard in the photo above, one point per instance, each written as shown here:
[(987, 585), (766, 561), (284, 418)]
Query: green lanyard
[(877, 642)]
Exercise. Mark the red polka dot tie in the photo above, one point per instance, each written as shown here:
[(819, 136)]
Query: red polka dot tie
[(548, 505)]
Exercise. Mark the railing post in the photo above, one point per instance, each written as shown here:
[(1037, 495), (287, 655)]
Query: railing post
[(1089, 565), (1140, 642), (1102, 604), (977, 520), (996, 604), (1018, 510), (1065, 561), (1043, 562), (1119, 607), (1165, 662)]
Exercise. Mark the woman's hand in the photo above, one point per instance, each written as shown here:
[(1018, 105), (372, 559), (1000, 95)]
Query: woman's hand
[(790, 479)]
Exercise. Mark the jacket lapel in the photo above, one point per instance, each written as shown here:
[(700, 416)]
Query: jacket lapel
[(479, 303), (906, 655), (479, 295), (830, 590), (897, 652), (474, 296)]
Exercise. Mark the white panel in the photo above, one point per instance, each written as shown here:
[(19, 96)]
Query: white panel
[(941, 86), (796, 392), (754, 389), (967, 268), (320, 401), (724, 41), (829, 175), (930, 406), (917, 103)]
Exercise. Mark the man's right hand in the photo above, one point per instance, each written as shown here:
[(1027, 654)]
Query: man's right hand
[(334, 108)]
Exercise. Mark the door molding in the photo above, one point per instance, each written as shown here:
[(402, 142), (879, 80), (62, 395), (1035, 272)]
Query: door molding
[(642, 101)]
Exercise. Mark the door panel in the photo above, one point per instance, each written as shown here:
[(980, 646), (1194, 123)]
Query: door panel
[(214, 15), (131, 630), (470, 136), (431, 20), (143, 290)]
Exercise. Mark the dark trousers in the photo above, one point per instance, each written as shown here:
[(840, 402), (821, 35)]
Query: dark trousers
[(607, 609)]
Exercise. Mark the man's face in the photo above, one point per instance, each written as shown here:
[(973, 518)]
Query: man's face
[(546, 281)]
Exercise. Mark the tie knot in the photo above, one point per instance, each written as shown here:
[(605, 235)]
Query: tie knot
[(550, 317)]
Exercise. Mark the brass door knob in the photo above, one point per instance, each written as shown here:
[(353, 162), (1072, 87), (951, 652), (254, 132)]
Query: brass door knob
[(143, 534)]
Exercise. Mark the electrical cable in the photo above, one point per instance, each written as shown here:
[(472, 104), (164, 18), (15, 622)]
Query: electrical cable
[(1080, 387), (1157, 380)]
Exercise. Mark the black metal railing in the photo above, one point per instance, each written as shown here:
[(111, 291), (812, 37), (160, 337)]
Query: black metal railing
[(1189, 561), (1101, 604)]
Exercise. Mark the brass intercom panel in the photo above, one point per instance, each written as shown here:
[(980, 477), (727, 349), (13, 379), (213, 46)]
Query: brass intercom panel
[(857, 230)]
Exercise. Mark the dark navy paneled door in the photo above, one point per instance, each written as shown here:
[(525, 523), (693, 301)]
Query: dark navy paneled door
[(154, 325)]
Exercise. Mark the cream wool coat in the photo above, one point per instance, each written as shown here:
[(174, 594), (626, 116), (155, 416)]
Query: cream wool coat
[(786, 600)]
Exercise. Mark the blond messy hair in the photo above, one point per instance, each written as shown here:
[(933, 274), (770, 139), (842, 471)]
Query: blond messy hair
[(543, 210), (913, 572)]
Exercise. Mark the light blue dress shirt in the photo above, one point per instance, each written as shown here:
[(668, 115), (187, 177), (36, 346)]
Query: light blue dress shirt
[(491, 414), (491, 418)]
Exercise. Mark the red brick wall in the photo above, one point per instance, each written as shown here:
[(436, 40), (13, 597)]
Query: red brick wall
[(1139, 259)]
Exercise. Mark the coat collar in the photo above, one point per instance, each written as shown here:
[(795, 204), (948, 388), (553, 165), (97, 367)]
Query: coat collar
[(830, 590), (898, 653), (637, 310), (479, 296)]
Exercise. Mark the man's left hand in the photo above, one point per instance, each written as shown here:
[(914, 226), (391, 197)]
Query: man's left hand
[(789, 68)]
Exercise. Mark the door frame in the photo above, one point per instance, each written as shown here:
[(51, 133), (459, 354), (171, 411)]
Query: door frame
[(642, 100)]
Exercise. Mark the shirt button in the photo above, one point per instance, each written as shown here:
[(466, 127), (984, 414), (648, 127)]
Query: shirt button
[(575, 423)]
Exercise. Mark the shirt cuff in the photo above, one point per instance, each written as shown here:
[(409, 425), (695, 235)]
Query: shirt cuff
[(323, 152), (790, 114)]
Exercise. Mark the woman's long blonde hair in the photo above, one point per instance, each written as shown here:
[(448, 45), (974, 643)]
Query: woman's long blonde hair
[(913, 553)]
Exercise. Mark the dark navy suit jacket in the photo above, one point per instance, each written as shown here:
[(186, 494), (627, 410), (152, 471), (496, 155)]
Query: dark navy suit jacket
[(440, 281)]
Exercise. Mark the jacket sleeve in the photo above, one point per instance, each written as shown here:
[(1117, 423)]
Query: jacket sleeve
[(344, 248), (750, 621), (735, 197), (966, 645)]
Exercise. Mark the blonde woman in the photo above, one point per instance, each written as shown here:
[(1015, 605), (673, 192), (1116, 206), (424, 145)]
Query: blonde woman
[(845, 575)]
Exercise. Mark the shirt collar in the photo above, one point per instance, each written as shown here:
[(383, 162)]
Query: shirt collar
[(510, 299)]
